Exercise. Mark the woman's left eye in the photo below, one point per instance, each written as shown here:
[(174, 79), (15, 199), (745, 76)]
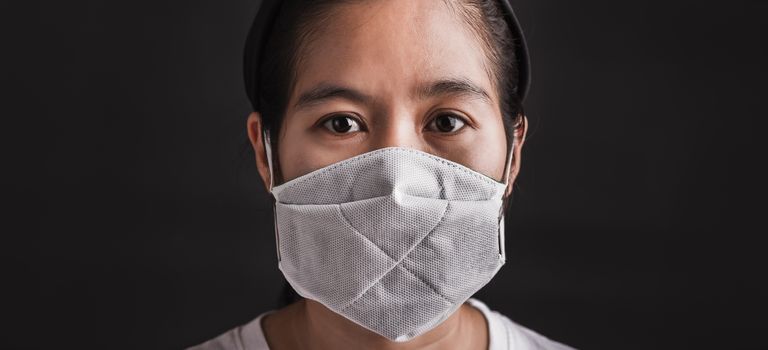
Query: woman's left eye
[(446, 123)]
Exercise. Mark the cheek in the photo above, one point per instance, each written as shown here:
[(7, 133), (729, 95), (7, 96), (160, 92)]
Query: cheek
[(296, 157), (487, 152), (301, 152), (491, 152)]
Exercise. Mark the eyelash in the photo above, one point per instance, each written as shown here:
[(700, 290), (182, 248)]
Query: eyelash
[(465, 121), (321, 123)]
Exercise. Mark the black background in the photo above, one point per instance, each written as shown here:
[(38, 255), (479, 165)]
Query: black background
[(133, 220)]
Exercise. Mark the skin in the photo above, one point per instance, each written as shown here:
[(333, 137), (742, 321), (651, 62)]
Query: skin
[(388, 51)]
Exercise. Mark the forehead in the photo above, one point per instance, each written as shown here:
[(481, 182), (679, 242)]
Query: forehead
[(392, 45)]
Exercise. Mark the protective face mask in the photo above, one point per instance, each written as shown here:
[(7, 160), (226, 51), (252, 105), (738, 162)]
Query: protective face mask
[(394, 239)]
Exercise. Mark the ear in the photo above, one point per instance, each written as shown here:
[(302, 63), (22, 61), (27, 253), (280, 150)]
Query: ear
[(514, 166), (254, 126)]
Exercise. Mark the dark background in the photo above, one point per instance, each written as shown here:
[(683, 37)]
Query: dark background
[(133, 220)]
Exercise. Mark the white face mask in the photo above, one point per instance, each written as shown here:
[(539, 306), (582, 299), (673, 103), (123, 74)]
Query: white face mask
[(394, 239)]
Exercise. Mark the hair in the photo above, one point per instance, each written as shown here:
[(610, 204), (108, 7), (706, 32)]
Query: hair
[(299, 21)]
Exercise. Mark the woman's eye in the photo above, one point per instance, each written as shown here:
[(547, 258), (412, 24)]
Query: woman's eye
[(447, 123), (342, 124)]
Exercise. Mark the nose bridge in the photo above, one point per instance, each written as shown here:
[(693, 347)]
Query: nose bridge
[(397, 128)]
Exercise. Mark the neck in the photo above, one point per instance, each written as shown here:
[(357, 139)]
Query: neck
[(316, 327)]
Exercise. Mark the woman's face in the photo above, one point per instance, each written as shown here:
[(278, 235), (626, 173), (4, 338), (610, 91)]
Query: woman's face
[(391, 73)]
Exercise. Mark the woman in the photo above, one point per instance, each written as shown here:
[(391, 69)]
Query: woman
[(389, 133)]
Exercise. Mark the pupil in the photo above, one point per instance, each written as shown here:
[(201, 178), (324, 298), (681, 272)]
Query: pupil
[(341, 124), (445, 123)]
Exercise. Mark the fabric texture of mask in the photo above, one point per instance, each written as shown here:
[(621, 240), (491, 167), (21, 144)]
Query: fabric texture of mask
[(394, 239)]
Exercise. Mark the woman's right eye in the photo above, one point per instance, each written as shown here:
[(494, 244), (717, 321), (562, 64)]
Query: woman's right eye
[(342, 124)]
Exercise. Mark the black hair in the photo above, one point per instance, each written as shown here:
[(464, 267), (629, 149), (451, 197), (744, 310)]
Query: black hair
[(299, 20)]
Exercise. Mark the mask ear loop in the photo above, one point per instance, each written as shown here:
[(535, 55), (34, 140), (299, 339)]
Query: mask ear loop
[(510, 155), (268, 149)]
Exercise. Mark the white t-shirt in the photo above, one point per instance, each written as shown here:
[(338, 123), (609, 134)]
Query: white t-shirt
[(504, 334)]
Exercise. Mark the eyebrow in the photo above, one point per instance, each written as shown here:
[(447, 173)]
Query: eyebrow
[(326, 91), (453, 86), (448, 86)]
